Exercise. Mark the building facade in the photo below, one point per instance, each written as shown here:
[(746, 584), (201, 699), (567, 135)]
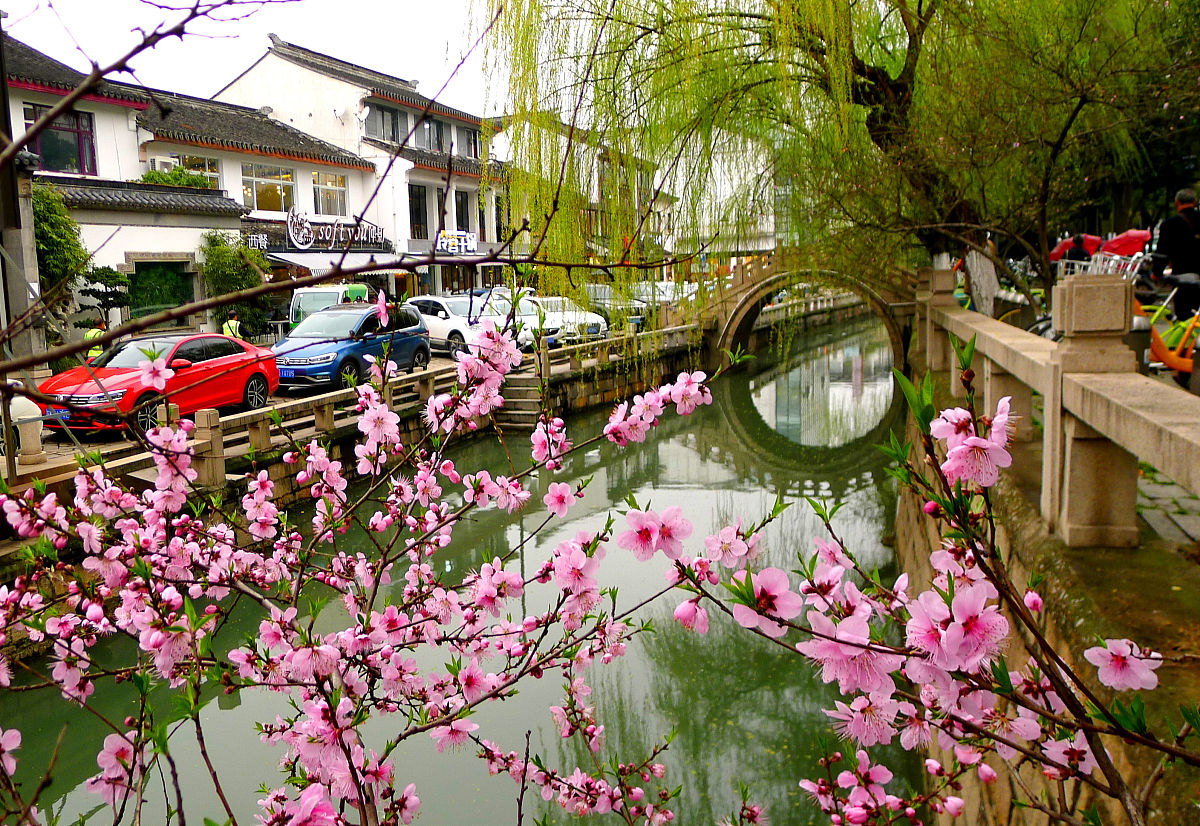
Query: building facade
[(433, 192), (289, 194)]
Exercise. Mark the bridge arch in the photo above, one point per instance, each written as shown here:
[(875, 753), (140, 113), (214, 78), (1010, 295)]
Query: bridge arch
[(736, 319)]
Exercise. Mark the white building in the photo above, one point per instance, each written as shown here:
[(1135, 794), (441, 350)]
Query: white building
[(433, 181), (95, 155)]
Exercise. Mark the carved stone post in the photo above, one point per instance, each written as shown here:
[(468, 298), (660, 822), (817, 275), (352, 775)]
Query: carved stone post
[(1095, 480), (923, 290), (543, 359), (210, 449), (260, 434), (937, 341), (998, 383), (323, 417)]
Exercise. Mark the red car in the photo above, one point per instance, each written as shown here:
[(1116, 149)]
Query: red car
[(210, 371)]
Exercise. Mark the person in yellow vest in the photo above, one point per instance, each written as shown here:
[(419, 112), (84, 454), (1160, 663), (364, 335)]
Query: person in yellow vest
[(98, 329), (232, 327)]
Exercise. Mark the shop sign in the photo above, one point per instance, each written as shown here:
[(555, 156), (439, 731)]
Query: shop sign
[(299, 233), (456, 242)]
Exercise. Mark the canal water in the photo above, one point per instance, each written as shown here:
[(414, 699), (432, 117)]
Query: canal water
[(803, 424)]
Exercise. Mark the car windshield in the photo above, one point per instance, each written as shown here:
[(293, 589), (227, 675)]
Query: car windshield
[(327, 325), (132, 352), (560, 305), (308, 303), (656, 291), (504, 306), (475, 306)]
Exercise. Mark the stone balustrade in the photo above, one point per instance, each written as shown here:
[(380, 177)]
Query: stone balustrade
[(1099, 415)]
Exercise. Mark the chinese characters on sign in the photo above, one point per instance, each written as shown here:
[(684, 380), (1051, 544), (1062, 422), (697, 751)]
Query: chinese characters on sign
[(300, 232), (456, 242)]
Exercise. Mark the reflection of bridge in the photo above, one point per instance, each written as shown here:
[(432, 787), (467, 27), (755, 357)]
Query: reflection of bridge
[(731, 306)]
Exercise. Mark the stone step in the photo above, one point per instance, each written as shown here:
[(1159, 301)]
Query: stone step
[(522, 419)]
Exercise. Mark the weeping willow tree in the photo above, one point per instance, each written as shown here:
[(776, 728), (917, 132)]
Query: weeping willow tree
[(865, 137)]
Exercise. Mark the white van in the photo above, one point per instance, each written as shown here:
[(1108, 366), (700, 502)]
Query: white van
[(307, 300)]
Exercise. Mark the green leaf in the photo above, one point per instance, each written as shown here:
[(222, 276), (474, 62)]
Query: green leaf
[(1001, 677), (965, 353), (1191, 715)]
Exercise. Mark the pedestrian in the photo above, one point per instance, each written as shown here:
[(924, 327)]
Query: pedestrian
[(1179, 246), (1078, 250), (99, 328), (232, 327)]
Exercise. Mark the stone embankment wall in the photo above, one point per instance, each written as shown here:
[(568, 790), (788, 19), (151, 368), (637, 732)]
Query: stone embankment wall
[(1149, 594)]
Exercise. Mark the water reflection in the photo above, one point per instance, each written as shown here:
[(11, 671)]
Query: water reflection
[(831, 393), (743, 709)]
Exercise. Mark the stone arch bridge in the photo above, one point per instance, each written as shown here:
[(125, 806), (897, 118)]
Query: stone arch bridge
[(728, 310)]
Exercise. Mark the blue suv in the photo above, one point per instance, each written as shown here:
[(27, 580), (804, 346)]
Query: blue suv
[(330, 347)]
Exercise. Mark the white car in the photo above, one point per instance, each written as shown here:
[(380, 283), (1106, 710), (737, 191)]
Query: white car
[(557, 319), (454, 321)]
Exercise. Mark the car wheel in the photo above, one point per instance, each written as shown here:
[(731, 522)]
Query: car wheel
[(348, 375), (455, 344), (147, 411), (255, 395), (420, 360)]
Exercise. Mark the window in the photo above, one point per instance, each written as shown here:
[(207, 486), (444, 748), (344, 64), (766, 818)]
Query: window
[(68, 144), (468, 142), (386, 124), (404, 317), (482, 224), (462, 210), (369, 325), (430, 135), (418, 212), (269, 188), (194, 351), (329, 193), (219, 348), (208, 167), (441, 207)]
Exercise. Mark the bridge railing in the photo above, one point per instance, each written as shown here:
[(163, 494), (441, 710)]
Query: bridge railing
[(629, 346), (1099, 416)]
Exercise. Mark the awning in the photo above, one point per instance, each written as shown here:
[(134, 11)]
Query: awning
[(319, 263)]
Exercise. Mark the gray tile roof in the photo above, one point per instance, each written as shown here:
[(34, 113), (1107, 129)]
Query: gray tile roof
[(380, 84), (199, 122), (94, 193), (429, 158), (26, 64)]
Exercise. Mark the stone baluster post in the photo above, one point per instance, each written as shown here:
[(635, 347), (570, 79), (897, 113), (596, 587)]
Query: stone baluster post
[(1089, 484), (998, 383), (168, 414), (924, 291), (260, 435), (210, 449), (543, 359), (939, 356), (323, 417)]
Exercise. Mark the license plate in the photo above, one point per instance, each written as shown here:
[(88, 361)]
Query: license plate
[(60, 413), (286, 373), (593, 328)]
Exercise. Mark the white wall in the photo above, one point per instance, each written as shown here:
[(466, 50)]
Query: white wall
[(277, 83), (302, 98), (359, 182)]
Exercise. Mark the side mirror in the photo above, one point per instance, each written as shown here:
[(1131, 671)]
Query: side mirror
[(89, 359), (442, 314), (179, 364)]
